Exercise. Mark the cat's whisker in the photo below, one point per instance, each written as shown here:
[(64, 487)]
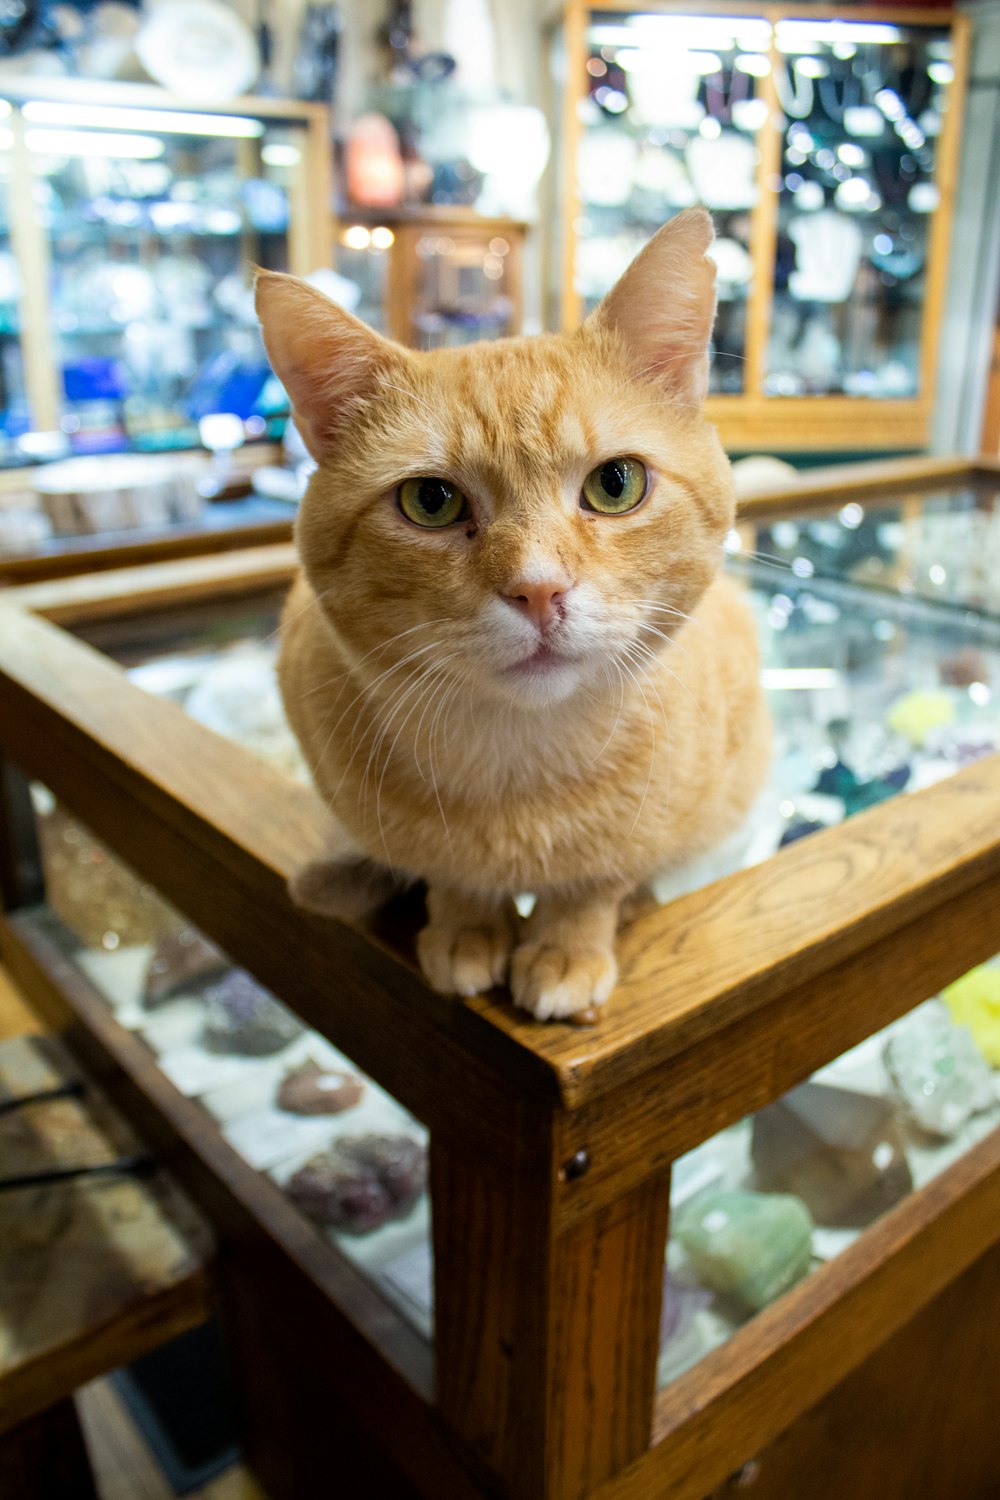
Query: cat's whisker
[(618, 716), (378, 650), (420, 724), (652, 746), (445, 705), (367, 692), (314, 601), (435, 672), (766, 559), (661, 664)]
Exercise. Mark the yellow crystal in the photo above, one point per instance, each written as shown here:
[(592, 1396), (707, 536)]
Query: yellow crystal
[(974, 1001), (916, 714)]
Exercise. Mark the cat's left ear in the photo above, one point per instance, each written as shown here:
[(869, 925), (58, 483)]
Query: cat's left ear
[(328, 361), (663, 307)]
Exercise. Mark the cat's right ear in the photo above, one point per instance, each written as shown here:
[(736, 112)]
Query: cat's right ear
[(327, 360)]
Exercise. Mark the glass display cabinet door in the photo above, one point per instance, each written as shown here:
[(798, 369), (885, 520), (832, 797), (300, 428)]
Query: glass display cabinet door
[(153, 220), (863, 106), (826, 150), (669, 117)]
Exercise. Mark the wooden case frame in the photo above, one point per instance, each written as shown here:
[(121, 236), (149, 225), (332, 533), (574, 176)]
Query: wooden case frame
[(753, 421), (551, 1146), (409, 226)]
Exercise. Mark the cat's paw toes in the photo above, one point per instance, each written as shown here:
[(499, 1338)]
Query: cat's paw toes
[(464, 960), (556, 983)]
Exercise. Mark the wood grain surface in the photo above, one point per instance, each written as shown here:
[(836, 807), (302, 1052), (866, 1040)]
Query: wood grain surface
[(918, 1418)]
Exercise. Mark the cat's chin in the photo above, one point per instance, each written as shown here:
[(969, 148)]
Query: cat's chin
[(540, 679)]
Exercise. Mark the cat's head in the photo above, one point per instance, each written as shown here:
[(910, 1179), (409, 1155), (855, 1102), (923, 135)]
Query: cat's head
[(523, 513)]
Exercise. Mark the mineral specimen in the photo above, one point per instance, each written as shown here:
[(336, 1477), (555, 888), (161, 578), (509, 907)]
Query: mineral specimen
[(242, 1017), (938, 1074), (183, 960), (974, 1001), (311, 1089), (361, 1182), (840, 1151), (747, 1246)]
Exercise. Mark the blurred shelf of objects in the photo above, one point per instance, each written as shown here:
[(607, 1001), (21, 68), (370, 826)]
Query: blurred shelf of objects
[(87, 514), (130, 223), (827, 151)]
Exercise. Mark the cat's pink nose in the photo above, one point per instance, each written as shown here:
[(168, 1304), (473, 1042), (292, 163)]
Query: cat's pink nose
[(541, 603)]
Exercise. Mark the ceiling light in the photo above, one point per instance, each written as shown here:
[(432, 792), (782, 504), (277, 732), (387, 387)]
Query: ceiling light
[(89, 143), (122, 117)]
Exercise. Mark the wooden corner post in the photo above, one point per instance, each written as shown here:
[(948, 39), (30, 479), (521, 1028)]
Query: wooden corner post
[(546, 1323)]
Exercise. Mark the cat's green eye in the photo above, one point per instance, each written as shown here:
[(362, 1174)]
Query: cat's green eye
[(614, 487), (432, 502)]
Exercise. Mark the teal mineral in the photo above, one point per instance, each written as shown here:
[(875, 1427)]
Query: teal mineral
[(747, 1246)]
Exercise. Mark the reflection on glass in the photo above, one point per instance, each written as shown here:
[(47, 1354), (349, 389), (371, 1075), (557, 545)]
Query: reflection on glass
[(759, 1206), (863, 108), (286, 1100), (670, 118), (153, 227)]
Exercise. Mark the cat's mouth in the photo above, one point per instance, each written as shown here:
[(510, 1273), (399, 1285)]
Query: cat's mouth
[(541, 662)]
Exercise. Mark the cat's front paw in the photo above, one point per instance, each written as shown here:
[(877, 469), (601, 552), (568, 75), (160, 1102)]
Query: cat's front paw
[(465, 958), (557, 983)]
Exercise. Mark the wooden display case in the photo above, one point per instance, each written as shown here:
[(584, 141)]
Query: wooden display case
[(792, 99), (551, 1147), (432, 276)]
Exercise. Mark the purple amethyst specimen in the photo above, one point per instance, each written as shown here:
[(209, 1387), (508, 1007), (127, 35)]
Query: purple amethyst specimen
[(244, 1018), (361, 1182)]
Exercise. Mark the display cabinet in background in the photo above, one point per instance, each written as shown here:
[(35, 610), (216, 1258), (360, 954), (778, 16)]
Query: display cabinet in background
[(434, 277), (679, 1252), (132, 221), (826, 149)]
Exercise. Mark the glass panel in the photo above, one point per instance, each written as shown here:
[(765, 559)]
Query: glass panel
[(286, 1100), (759, 1206), (863, 105), (943, 546), (670, 118), (153, 233), (871, 694)]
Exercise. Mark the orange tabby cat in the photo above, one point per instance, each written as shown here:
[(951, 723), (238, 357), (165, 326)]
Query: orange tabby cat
[(510, 660)]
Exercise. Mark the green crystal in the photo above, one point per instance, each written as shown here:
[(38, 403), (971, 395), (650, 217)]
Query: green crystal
[(748, 1246)]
